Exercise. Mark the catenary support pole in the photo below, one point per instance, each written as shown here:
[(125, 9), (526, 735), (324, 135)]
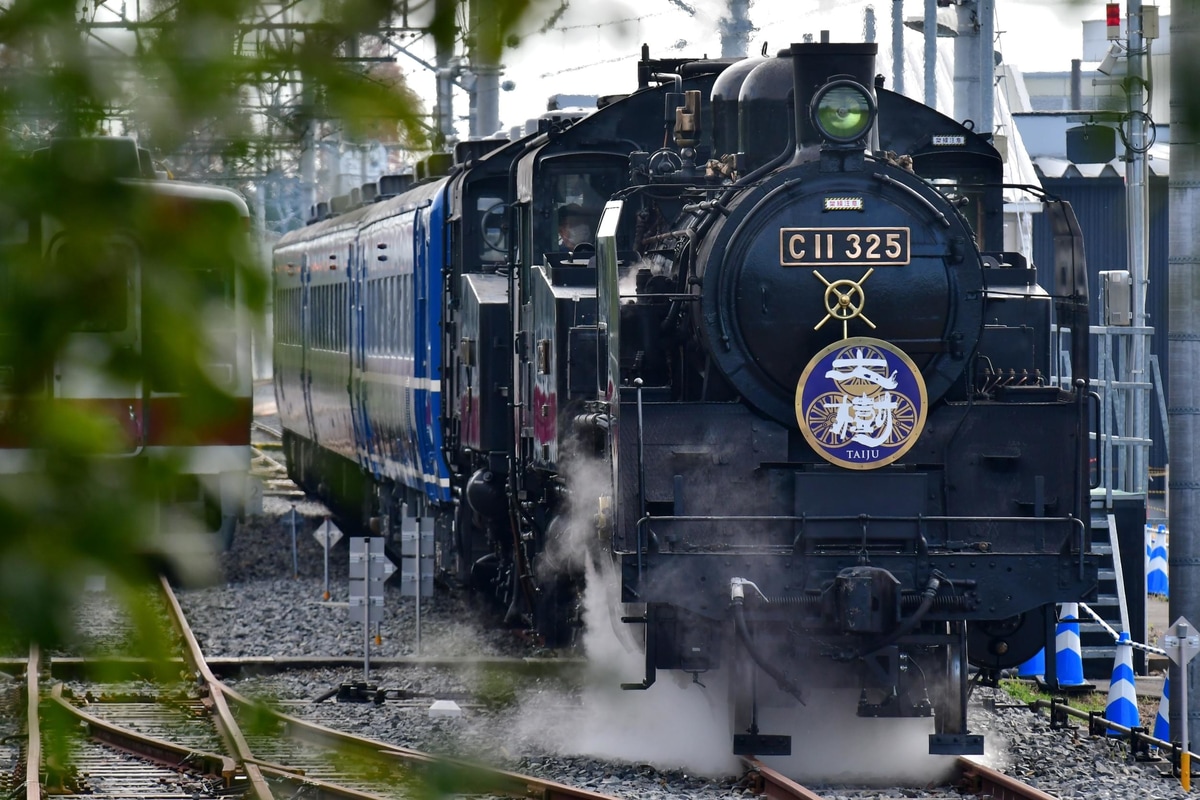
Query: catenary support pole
[(1183, 341)]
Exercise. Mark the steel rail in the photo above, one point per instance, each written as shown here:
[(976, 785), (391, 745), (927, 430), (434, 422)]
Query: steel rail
[(479, 778), (33, 726), (259, 454), (227, 726), (73, 667), (266, 429), (173, 756), (465, 776), (152, 748), (774, 785), (980, 780), (987, 782)]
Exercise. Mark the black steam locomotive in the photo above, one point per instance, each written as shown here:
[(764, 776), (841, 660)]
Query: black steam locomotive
[(777, 371)]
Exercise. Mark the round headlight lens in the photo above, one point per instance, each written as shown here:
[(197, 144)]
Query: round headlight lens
[(843, 111)]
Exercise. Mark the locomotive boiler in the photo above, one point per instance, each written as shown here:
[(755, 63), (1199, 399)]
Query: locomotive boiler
[(794, 391)]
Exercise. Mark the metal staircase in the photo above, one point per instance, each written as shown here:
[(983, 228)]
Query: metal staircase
[(1095, 643), (1118, 513)]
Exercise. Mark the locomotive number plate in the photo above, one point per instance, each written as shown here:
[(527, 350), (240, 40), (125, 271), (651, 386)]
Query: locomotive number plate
[(843, 247)]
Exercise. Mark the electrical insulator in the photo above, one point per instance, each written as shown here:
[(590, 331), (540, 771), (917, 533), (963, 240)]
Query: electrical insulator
[(1112, 13)]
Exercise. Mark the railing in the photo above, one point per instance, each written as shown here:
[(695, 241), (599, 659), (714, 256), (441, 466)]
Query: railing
[(1123, 440), (919, 522)]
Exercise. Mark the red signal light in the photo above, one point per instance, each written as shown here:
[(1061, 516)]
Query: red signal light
[(1112, 15)]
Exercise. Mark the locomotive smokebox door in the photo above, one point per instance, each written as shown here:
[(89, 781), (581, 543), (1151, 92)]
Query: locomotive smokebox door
[(866, 599)]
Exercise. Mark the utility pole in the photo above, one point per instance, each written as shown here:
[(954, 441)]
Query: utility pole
[(1137, 218), (485, 44), (971, 23), (898, 46), (445, 68), (931, 9), (1183, 350), (443, 111), (986, 14)]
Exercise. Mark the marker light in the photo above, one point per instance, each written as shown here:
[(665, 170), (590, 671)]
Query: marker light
[(843, 111), (1112, 16)]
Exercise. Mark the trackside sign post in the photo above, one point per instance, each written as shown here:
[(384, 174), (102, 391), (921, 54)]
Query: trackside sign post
[(327, 535), (369, 568), (416, 569), (1182, 643)]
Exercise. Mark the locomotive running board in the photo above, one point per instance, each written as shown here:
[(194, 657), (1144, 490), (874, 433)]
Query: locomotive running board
[(955, 744), (755, 744)]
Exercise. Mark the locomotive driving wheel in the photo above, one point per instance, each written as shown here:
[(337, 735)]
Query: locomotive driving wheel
[(948, 691)]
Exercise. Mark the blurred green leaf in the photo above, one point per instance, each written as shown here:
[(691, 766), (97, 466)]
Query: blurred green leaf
[(212, 94)]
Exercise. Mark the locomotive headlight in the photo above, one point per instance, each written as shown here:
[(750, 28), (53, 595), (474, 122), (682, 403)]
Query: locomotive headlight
[(843, 111)]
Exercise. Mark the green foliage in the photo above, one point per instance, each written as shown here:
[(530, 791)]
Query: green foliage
[(186, 77), (1028, 692), (497, 689)]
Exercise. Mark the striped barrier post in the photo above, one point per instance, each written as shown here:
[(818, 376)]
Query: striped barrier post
[(1034, 667), (1162, 720), (1068, 657), (1157, 579), (1122, 691)]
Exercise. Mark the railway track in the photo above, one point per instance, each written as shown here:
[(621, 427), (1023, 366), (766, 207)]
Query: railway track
[(973, 779), (193, 737), (199, 738), (266, 462)]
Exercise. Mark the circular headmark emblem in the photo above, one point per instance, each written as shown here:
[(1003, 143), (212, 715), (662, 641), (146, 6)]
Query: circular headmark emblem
[(861, 403)]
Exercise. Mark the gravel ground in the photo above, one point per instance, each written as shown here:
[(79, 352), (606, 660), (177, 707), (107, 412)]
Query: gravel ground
[(630, 744)]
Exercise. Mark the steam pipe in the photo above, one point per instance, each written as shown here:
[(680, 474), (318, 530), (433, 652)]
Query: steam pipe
[(593, 420), (637, 382), (906, 627), (672, 76), (671, 101), (737, 596)]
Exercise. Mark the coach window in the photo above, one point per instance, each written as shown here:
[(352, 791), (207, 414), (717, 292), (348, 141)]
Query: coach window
[(493, 230), (342, 319), (216, 282), (372, 317), (578, 191), (102, 274)]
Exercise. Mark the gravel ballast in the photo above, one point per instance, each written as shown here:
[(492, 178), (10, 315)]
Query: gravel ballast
[(630, 744)]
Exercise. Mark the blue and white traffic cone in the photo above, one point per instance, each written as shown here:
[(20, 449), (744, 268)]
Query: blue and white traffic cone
[(1034, 667), (1068, 658), (1149, 535), (1122, 692), (1162, 721), (1156, 576)]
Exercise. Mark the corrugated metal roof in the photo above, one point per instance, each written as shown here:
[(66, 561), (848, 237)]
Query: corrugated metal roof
[(1158, 160)]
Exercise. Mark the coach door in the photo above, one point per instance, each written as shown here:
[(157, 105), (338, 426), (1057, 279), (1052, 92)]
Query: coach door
[(306, 335), (358, 355), (107, 330)]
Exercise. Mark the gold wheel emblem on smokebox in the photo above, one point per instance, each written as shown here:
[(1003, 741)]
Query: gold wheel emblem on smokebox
[(844, 300)]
